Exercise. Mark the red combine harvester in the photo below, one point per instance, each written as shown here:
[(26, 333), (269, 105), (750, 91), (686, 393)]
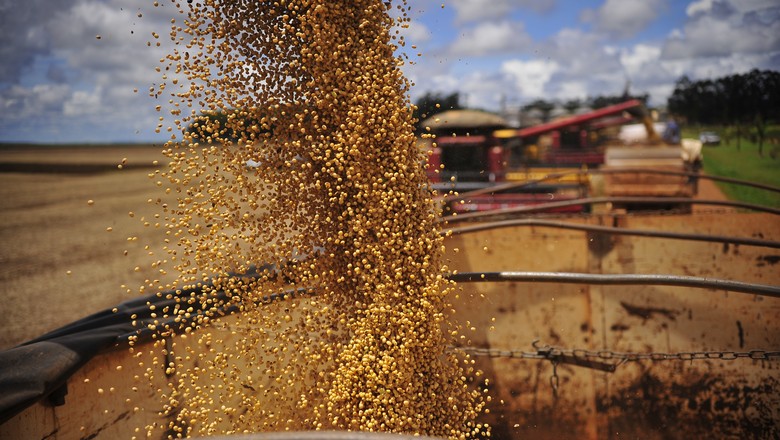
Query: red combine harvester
[(491, 166)]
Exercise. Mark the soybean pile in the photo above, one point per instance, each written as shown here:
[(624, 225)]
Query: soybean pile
[(293, 157)]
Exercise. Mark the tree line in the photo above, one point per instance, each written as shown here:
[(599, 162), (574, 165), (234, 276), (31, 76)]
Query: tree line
[(432, 103), (571, 106), (735, 101)]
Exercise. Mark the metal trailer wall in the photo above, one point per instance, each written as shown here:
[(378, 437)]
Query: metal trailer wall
[(649, 399), (118, 392)]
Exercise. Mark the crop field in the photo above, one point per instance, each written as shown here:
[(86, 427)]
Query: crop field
[(62, 257)]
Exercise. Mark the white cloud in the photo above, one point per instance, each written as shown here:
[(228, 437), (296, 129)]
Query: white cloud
[(477, 10), (490, 38), (59, 75), (750, 5), (571, 89), (712, 67), (716, 33), (624, 18), (584, 54), (23, 36), (56, 77), (83, 103), (22, 102), (415, 33), (483, 89), (532, 76), (675, 33), (639, 57), (699, 7)]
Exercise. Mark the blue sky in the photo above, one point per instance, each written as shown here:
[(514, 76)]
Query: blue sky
[(60, 83), (515, 51)]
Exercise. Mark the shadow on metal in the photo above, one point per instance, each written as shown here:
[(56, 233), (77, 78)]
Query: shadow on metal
[(322, 435)]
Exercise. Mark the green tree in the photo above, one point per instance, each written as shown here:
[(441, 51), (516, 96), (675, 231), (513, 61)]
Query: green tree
[(750, 99), (571, 106), (542, 106), (763, 92), (605, 101)]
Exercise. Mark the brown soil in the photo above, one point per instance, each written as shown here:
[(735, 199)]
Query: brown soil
[(708, 190), (58, 260)]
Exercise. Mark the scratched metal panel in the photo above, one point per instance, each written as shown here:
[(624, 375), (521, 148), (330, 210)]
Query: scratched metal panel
[(674, 399), (118, 394), (519, 248), (669, 399), (512, 315)]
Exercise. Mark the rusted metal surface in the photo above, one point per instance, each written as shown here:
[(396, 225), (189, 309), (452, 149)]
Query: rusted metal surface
[(119, 393), (660, 158), (598, 394), (643, 399)]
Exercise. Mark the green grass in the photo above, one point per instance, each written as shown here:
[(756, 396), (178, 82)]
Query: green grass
[(726, 160)]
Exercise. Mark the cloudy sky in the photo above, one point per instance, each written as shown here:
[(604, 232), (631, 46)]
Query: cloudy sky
[(60, 83)]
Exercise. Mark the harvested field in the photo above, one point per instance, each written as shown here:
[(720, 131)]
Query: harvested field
[(58, 260), (47, 228)]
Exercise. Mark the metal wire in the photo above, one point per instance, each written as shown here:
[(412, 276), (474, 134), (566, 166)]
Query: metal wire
[(602, 200), (614, 231), (618, 279), (555, 176)]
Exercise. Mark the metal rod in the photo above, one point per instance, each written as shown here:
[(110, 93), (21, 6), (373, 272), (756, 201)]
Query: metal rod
[(612, 230), (689, 174), (618, 279), (554, 176), (601, 200)]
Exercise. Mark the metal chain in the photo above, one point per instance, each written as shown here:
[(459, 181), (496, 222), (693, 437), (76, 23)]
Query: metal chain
[(621, 357), (607, 360)]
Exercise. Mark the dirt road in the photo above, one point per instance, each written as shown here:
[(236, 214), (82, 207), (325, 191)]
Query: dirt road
[(708, 190)]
